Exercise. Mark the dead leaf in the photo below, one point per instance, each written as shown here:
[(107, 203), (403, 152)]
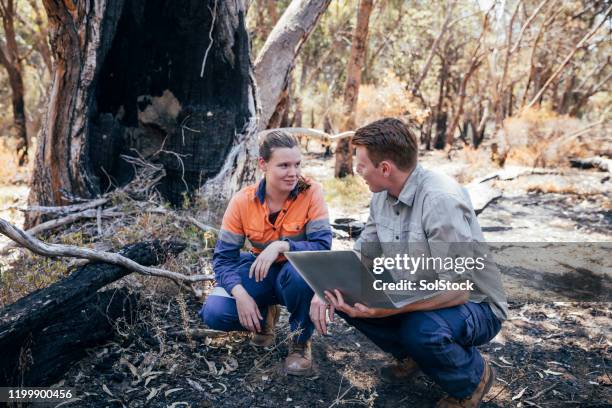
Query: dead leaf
[(152, 377), (211, 367), (519, 395), (152, 394), (177, 404), (551, 372), (195, 385), (106, 390), (130, 366), (171, 391), (503, 360)]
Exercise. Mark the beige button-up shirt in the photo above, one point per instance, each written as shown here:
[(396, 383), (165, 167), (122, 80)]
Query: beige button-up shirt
[(433, 212)]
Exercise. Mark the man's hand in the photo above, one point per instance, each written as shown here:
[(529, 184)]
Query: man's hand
[(318, 309), (266, 258), (358, 310), (248, 312)]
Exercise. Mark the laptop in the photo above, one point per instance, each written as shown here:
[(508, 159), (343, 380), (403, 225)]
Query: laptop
[(343, 270)]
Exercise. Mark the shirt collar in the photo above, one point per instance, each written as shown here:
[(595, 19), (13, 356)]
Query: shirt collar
[(408, 192), (260, 193)]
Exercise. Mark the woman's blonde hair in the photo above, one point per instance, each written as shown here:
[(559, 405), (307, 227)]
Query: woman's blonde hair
[(275, 139)]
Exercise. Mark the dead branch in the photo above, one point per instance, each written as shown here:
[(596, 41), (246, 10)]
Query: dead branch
[(308, 132), (58, 222), (58, 250), (526, 25), (65, 209), (568, 58)]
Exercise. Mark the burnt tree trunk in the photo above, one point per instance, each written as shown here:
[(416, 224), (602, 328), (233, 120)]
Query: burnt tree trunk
[(344, 149), (136, 74), (44, 333)]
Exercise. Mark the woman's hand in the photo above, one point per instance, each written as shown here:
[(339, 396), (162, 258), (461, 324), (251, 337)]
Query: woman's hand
[(266, 258), (318, 309), (248, 312)]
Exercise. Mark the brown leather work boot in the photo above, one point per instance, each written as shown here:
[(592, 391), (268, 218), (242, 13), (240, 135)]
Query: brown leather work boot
[(474, 400), (266, 337), (399, 372), (299, 360)]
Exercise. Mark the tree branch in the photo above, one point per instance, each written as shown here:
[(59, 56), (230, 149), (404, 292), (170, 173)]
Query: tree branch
[(55, 250), (569, 57), (308, 132)]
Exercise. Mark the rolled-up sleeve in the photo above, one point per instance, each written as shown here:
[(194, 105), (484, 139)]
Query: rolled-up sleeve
[(226, 257)]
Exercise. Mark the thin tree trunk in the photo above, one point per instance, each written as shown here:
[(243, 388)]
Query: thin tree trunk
[(42, 37), (276, 58), (432, 51), (344, 149), (10, 59), (475, 62)]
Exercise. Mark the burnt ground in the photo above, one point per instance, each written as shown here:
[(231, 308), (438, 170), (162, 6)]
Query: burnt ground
[(547, 355)]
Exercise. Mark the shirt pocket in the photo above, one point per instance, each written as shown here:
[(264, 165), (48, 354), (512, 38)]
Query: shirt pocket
[(386, 229), (414, 233), (255, 234), (293, 230)]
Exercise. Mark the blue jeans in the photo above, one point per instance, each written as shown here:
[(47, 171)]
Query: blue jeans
[(442, 342), (282, 285)]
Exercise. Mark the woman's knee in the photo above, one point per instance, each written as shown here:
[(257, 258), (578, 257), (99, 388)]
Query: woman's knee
[(219, 313)]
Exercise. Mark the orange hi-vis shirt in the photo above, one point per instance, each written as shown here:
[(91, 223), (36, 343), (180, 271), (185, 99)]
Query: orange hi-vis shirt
[(303, 222)]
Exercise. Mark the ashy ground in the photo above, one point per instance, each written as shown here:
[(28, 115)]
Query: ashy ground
[(550, 353)]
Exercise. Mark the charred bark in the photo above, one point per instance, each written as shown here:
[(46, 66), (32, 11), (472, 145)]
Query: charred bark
[(135, 74), (42, 334)]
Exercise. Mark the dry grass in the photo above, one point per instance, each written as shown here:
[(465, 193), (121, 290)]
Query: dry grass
[(10, 173), (541, 138), (349, 194), (552, 188), (391, 98), (478, 163)]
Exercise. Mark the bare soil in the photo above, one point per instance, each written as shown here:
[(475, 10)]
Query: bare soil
[(548, 354)]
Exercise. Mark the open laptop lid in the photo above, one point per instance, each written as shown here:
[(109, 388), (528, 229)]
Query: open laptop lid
[(342, 270)]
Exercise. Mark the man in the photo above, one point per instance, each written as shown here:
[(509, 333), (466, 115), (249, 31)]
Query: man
[(437, 334)]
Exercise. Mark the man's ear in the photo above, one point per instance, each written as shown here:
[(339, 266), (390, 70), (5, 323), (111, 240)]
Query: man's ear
[(386, 168)]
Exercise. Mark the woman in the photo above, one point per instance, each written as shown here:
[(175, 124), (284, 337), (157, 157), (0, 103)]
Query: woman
[(283, 212)]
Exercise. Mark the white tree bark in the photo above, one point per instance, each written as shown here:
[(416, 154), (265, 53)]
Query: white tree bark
[(275, 60)]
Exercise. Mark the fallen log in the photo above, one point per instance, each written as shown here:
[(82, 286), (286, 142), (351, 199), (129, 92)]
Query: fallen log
[(482, 195), (67, 315), (598, 162)]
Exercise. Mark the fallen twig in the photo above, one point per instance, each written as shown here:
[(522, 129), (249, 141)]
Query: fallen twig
[(55, 250), (65, 209), (58, 222), (539, 394)]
